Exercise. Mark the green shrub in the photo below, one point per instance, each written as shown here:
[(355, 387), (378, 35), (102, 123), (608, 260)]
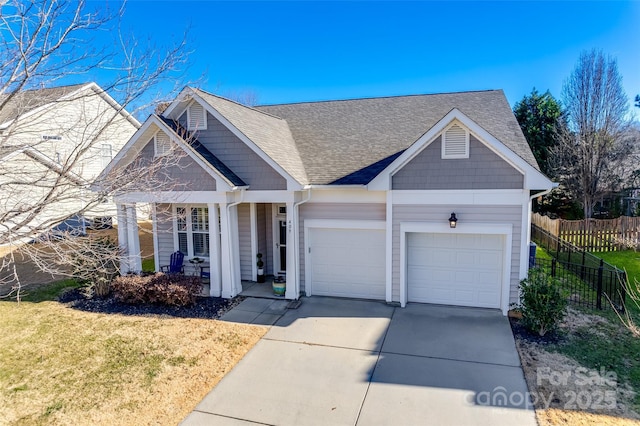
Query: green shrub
[(163, 289), (542, 302)]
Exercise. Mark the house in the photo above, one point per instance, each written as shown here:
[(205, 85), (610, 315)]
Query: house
[(55, 142), (349, 198)]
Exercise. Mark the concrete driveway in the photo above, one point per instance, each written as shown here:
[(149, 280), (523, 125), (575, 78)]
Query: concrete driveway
[(351, 362)]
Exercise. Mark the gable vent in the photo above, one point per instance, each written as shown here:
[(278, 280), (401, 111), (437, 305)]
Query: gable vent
[(455, 142), (162, 144), (196, 117)]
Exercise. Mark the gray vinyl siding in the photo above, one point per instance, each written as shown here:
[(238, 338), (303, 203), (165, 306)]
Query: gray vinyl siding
[(244, 237), (261, 227), (185, 175), (482, 214), (164, 224), (482, 170), (236, 155), (344, 211)]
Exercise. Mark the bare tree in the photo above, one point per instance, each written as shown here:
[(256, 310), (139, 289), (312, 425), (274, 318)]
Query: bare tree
[(44, 42), (589, 156)]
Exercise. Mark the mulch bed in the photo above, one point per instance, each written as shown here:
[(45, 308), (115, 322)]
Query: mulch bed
[(521, 333), (204, 307)]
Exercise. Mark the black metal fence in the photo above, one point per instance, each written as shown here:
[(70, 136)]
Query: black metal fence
[(589, 280)]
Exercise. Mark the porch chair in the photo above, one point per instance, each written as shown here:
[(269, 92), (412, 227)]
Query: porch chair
[(205, 274), (175, 266)]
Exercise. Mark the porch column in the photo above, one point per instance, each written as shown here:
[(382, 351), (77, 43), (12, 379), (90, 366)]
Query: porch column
[(123, 239), (230, 252), (226, 277), (156, 245), (293, 286), (215, 287), (235, 250), (135, 260)]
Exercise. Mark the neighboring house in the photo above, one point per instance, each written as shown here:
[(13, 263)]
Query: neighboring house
[(349, 198), (55, 142)]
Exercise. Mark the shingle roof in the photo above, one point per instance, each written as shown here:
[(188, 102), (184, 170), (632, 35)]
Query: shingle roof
[(338, 139), (205, 153), (271, 134), (28, 100)]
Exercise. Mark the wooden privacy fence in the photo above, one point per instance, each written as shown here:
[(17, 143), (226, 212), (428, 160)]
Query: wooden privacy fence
[(594, 234)]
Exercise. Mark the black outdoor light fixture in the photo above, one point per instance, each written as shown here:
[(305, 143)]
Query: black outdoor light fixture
[(453, 220)]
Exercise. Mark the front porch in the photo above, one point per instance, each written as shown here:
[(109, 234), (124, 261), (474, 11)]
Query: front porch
[(226, 237), (251, 289)]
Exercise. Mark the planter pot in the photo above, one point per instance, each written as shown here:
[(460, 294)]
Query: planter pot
[(279, 288), (260, 276)]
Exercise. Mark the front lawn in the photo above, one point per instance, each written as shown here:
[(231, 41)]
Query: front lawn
[(66, 366), (628, 260)]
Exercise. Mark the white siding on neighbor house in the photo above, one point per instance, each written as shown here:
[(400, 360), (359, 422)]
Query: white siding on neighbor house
[(244, 236), (236, 155), (164, 226), (345, 211), (465, 213)]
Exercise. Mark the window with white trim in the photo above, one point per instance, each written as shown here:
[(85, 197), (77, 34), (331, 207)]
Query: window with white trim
[(196, 117), (455, 142), (161, 143), (106, 153), (192, 230)]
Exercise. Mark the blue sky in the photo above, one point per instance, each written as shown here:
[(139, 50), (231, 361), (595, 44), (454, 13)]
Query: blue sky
[(306, 51)]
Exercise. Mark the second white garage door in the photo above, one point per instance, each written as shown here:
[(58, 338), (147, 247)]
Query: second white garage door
[(455, 269), (347, 262)]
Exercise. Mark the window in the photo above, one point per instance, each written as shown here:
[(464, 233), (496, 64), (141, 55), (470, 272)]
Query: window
[(106, 154), (192, 230), (162, 144), (196, 117), (455, 142)]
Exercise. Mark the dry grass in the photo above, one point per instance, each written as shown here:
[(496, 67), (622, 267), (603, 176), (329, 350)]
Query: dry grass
[(62, 366), (558, 404)]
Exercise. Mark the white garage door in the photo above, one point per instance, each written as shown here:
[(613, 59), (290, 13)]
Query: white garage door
[(455, 269), (347, 262)]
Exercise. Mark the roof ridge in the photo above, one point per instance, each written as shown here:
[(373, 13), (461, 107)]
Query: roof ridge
[(237, 103), (414, 95)]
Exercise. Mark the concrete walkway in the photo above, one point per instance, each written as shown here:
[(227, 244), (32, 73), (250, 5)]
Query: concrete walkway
[(349, 362)]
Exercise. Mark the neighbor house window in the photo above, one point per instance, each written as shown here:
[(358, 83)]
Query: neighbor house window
[(192, 230), (106, 154)]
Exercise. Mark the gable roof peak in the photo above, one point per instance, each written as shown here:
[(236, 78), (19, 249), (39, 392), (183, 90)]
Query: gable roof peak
[(200, 91)]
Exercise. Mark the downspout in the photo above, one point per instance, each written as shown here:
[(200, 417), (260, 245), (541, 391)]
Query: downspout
[(296, 234), (231, 264)]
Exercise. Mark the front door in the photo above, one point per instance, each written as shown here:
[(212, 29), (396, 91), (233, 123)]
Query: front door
[(282, 245)]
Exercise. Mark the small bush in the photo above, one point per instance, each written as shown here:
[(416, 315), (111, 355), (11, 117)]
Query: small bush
[(164, 289), (542, 302), (94, 264)]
